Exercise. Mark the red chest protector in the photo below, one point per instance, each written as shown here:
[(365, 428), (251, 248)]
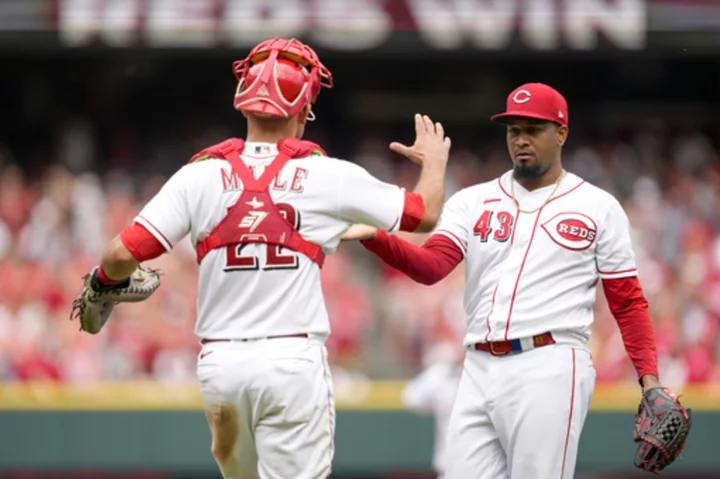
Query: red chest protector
[(255, 218)]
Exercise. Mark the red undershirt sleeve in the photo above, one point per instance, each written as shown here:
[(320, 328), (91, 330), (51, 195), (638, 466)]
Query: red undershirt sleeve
[(427, 264), (141, 243), (413, 212), (630, 309)]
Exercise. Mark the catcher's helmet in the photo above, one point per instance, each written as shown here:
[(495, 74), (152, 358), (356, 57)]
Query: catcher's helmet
[(279, 77)]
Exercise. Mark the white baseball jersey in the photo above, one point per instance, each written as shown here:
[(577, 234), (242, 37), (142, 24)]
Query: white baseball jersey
[(528, 273), (256, 290)]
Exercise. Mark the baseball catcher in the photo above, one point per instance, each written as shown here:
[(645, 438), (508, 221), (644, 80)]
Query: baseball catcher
[(661, 428), (97, 298), (262, 213)]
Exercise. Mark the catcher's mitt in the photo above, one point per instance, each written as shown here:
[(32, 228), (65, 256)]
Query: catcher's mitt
[(97, 300), (661, 426)]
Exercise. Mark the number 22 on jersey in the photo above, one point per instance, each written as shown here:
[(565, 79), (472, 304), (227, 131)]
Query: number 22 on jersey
[(501, 228), (274, 259)]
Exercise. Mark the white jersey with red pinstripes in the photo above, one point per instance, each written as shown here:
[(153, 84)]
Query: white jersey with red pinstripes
[(254, 290), (528, 273)]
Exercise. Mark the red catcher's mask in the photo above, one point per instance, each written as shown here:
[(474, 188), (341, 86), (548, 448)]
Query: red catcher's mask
[(279, 77)]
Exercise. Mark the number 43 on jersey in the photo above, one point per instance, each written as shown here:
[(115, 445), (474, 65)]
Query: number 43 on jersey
[(500, 228)]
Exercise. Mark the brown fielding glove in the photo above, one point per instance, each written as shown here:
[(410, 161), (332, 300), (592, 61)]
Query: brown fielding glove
[(661, 428), (97, 300)]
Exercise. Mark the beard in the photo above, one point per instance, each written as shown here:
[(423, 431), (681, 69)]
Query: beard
[(531, 172)]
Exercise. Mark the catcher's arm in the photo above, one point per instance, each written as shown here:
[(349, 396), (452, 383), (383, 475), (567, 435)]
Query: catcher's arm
[(163, 221), (126, 251), (117, 262), (118, 279), (430, 150)]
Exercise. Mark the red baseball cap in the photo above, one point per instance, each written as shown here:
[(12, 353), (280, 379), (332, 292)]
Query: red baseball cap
[(535, 100)]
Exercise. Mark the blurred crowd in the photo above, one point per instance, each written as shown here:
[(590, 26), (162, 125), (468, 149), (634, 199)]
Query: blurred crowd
[(54, 224)]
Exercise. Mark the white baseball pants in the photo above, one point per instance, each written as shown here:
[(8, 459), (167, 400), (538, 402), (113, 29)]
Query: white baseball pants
[(520, 416), (280, 393)]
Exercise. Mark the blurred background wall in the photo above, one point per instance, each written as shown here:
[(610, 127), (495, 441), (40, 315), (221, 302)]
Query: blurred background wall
[(102, 100)]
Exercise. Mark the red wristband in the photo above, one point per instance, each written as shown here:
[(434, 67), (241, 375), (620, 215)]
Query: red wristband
[(103, 277)]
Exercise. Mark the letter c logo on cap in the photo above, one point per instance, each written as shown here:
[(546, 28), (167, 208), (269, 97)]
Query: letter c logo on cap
[(522, 96)]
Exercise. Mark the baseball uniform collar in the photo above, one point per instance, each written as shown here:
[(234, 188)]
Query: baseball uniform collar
[(570, 182), (260, 150)]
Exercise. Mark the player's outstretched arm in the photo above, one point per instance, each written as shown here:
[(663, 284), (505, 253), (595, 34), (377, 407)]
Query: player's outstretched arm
[(363, 199), (431, 151), (437, 257), (427, 264), (359, 233)]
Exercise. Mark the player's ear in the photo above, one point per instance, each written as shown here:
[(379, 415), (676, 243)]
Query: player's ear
[(562, 134), (305, 114)]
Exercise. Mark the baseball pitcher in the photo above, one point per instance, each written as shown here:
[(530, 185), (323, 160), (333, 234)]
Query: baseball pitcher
[(536, 242)]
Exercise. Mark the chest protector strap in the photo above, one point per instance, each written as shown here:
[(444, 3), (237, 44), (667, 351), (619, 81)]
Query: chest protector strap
[(255, 218)]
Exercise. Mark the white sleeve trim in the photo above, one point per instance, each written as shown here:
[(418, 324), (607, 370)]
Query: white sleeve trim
[(155, 232), (625, 273), (454, 239)]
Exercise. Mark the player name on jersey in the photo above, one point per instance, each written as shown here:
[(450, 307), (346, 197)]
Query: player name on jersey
[(286, 180)]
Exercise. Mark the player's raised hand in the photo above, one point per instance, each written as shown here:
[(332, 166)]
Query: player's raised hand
[(431, 146), (359, 232)]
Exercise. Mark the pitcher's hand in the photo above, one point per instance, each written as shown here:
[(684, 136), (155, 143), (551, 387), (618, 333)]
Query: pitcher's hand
[(359, 232)]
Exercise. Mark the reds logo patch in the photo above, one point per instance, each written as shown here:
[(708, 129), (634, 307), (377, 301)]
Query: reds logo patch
[(574, 231), (522, 96)]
